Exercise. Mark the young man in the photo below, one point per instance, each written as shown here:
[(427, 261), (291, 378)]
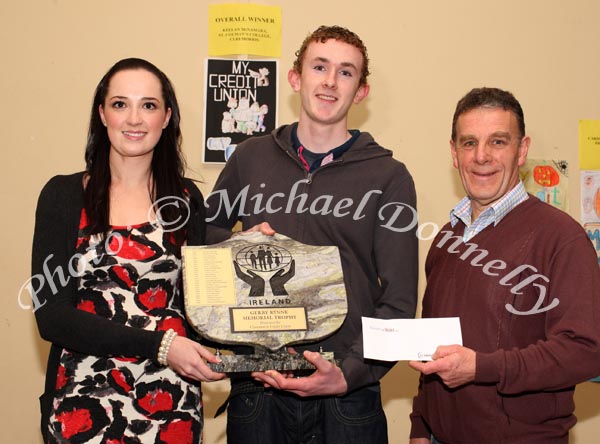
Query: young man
[(322, 184), (524, 279)]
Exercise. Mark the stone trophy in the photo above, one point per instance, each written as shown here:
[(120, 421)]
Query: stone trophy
[(267, 292)]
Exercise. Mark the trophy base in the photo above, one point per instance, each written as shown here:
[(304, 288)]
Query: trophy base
[(280, 361)]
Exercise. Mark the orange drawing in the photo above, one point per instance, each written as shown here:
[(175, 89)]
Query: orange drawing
[(546, 176)]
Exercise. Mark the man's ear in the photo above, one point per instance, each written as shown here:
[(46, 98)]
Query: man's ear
[(294, 80), (523, 150), (454, 154), (361, 93)]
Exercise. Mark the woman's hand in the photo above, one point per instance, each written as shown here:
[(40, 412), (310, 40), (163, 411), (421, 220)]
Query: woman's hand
[(187, 358)]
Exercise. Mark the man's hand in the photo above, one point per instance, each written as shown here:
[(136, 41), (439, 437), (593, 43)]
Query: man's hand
[(186, 357), (263, 228), (327, 379), (454, 364)]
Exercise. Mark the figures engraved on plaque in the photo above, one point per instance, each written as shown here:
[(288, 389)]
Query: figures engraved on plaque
[(260, 258)]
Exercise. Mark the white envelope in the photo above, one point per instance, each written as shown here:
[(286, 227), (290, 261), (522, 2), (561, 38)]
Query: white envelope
[(408, 339)]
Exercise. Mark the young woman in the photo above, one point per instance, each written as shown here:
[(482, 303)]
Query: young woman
[(107, 257)]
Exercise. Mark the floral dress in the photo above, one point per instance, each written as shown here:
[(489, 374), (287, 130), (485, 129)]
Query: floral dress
[(133, 278)]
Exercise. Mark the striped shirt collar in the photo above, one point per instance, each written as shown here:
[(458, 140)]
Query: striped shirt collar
[(493, 214)]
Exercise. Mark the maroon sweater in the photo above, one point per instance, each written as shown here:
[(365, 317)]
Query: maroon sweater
[(527, 364)]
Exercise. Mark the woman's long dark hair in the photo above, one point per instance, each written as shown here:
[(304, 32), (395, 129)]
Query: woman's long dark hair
[(168, 164)]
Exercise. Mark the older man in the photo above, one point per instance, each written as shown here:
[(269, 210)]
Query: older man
[(523, 278)]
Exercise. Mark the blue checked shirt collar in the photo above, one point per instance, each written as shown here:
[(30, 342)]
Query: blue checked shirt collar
[(494, 214)]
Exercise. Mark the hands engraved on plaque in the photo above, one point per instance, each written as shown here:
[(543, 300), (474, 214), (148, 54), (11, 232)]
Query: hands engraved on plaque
[(278, 280), (257, 283)]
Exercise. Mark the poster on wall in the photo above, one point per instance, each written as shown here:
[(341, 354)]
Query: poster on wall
[(593, 231), (547, 180), (244, 28), (589, 144), (241, 102), (590, 197), (590, 211)]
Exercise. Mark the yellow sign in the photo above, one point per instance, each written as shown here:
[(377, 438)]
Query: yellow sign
[(589, 144), (208, 276), (244, 28), (268, 319)]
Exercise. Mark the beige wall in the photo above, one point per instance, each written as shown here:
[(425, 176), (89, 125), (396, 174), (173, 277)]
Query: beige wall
[(425, 56)]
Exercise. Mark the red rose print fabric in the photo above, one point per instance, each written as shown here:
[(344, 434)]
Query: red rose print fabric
[(133, 279)]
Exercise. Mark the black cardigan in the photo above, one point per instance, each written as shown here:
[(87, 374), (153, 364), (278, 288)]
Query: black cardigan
[(59, 321)]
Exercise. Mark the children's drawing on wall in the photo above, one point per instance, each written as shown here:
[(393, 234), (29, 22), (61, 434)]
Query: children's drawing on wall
[(590, 211), (241, 102), (243, 117), (547, 180), (590, 197), (593, 231)]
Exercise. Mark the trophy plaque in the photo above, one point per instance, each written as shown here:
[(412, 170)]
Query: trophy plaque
[(267, 292)]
